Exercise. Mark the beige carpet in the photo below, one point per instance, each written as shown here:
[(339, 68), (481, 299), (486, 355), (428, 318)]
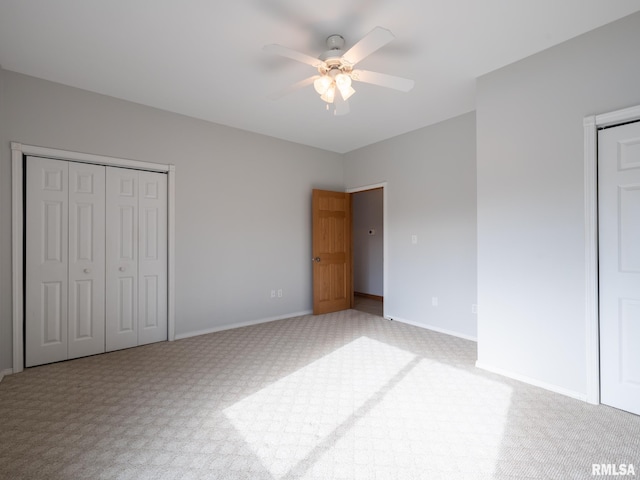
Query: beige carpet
[(342, 396)]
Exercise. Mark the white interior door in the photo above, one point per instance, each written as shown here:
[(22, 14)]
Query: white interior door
[(86, 259), (122, 259), (46, 250), (619, 269), (152, 252)]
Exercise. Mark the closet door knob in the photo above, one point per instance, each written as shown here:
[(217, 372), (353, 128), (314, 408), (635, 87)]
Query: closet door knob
[(87, 270), (122, 269)]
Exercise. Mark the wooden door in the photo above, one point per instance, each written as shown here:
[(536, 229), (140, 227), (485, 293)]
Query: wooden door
[(152, 253), (86, 259), (619, 269), (121, 259), (46, 268), (332, 257)]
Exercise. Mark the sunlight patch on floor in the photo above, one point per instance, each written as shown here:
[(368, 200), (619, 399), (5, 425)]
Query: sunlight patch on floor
[(369, 408), (286, 421)]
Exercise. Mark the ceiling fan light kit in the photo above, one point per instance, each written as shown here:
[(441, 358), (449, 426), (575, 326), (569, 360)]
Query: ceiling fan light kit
[(328, 82), (335, 69)]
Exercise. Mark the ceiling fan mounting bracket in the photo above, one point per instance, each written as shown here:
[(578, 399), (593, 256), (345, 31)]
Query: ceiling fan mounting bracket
[(333, 57), (335, 42)]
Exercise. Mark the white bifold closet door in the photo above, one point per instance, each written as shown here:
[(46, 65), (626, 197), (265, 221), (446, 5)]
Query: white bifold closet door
[(96, 259), (152, 258), (136, 258), (65, 235), (47, 262), (619, 265), (86, 259)]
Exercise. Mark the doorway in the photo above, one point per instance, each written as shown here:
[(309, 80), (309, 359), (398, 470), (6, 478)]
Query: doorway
[(369, 233)]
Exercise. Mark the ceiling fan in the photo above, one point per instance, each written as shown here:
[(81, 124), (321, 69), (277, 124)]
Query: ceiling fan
[(336, 69)]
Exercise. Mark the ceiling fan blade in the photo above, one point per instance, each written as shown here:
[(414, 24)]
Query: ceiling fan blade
[(293, 54), (293, 88), (340, 105), (383, 80), (372, 41)]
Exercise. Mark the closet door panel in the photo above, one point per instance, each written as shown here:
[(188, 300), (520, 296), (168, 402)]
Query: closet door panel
[(152, 283), (46, 267), (121, 258), (86, 259)]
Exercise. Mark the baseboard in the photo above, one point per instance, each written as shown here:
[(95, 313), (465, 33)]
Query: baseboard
[(231, 326), (431, 327), (368, 295), (8, 371), (533, 381)]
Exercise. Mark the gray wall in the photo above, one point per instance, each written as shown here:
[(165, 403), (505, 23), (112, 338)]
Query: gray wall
[(431, 193), (242, 200), (531, 259), (367, 214)]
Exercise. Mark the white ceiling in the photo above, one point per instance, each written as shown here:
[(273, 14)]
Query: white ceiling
[(203, 58)]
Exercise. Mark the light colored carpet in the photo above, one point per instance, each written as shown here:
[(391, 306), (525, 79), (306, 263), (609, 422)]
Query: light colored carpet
[(342, 396)]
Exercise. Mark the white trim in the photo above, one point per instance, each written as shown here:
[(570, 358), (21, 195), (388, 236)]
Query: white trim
[(19, 150), (250, 323), (619, 116), (171, 253), (591, 124), (432, 328), (364, 188), (17, 255), (88, 158), (4, 373), (532, 381), (385, 233)]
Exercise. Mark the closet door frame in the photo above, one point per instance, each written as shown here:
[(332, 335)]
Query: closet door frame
[(18, 153)]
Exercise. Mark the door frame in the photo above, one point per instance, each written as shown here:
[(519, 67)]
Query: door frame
[(591, 126), (385, 240), (18, 152)]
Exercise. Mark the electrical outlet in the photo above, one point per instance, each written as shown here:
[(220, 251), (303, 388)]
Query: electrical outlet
[(273, 294), (434, 301), (280, 293), (414, 239), (474, 308)]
